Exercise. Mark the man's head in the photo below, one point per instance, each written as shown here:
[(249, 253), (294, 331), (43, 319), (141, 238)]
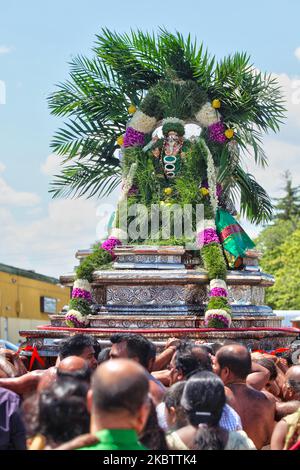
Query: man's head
[(232, 363), (175, 414), (187, 360), (62, 411), (135, 347), (119, 396), (74, 367), (291, 386), (82, 346)]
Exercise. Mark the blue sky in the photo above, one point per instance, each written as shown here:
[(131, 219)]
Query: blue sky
[(38, 39)]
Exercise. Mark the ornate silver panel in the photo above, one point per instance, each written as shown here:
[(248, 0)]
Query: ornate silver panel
[(150, 295), (149, 259)]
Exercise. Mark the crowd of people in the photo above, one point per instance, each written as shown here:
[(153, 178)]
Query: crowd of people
[(128, 396)]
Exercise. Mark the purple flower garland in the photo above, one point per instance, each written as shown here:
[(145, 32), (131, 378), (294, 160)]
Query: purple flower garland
[(110, 244), (133, 138), (218, 292), (216, 133), (219, 317), (81, 294), (208, 235)]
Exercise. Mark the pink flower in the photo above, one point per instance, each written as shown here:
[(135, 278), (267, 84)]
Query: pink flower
[(209, 235), (81, 293), (216, 133), (110, 244), (133, 138), (218, 292)]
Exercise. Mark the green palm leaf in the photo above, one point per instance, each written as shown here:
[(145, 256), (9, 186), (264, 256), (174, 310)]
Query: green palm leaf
[(255, 203)]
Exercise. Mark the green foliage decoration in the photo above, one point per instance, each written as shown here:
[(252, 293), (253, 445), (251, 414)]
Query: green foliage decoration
[(218, 303), (82, 305), (214, 261), (96, 260)]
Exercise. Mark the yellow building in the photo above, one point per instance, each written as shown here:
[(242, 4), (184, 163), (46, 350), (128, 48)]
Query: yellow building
[(26, 300)]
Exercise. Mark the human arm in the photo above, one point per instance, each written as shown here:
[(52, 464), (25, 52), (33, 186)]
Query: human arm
[(163, 376), (85, 440), (21, 385), (163, 359), (279, 435), (258, 377)]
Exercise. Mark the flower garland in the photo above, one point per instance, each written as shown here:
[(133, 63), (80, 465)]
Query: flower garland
[(74, 319), (217, 314), (208, 116), (211, 179), (81, 301)]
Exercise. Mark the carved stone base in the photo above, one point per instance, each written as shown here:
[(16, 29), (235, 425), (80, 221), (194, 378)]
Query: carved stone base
[(168, 320)]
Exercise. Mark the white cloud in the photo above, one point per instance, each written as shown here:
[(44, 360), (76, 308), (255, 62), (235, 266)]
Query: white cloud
[(52, 165), (12, 197), (5, 49), (297, 53), (291, 90), (48, 244), (282, 156)]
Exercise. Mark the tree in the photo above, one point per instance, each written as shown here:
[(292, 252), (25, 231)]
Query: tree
[(284, 263), (280, 245), (288, 207)]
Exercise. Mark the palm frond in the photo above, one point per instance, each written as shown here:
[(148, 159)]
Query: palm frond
[(247, 95), (119, 52), (255, 203), (85, 179)]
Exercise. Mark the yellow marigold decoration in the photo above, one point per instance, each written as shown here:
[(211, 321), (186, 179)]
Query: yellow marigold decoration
[(229, 133), (120, 140), (168, 191), (132, 109), (204, 191), (216, 104)]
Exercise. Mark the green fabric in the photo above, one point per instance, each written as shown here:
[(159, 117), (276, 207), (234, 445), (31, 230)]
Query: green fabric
[(236, 243), (116, 439)]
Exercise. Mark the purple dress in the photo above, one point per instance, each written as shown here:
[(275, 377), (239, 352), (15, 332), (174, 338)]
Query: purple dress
[(12, 430)]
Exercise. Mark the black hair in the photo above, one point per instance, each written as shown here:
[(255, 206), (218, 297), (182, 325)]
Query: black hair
[(239, 363), (172, 399), (191, 359), (103, 355), (62, 413), (267, 364), (137, 346), (129, 394), (173, 394), (153, 437), (75, 345), (203, 400)]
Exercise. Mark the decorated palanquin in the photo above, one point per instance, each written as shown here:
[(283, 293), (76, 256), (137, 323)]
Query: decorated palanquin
[(175, 139)]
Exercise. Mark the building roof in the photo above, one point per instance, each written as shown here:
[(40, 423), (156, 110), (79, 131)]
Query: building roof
[(4, 268)]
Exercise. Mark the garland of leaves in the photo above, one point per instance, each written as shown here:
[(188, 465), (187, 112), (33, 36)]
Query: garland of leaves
[(81, 301)]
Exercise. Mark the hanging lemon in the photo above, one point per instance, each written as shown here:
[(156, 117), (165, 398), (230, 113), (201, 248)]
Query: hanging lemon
[(229, 133), (132, 109), (216, 104), (168, 191), (120, 140)]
